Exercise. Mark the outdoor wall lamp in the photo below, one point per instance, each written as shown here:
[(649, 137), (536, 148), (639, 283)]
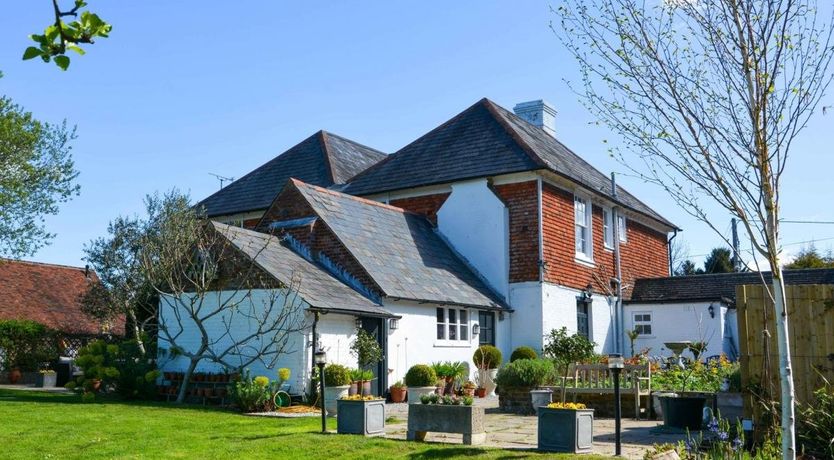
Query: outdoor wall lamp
[(393, 324), (320, 358), (616, 364), (711, 311), (358, 323), (476, 329)]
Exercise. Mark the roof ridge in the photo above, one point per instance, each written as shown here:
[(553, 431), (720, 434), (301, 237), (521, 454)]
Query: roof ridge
[(43, 264), (325, 148), (347, 139), (525, 147), (298, 182)]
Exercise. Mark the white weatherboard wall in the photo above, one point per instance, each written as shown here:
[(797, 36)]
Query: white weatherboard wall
[(476, 223), (335, 333), (676, 322), (559, 310), (415, 341)]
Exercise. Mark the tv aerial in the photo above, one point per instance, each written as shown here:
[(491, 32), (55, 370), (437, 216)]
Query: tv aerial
[(222, 179)]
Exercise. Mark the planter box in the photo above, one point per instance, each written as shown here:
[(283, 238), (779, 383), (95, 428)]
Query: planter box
[(414, 393), (466, 420), (361, 417), (566, 430), (730, 406), (539, 398), (46, 380), (683, 412), (331, 396)]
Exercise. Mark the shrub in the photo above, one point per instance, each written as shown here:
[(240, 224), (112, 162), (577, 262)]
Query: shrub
[(26, 344), (487, 357), (251, 395), (420, 375), (523, 353), (524, 373), (336, 375), (398, 384), (815, 427), (283, 374), (450, 370), (120, 366)]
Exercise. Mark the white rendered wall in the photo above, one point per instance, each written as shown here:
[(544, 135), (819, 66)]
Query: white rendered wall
[(526, 320), (475, 222), (675, 322), (415, 341), (559, 310)]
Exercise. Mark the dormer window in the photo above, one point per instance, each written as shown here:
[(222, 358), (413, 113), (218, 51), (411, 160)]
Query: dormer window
[(582, 220)]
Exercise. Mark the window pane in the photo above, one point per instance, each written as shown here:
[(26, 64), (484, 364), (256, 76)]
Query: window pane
[(441, 317), (463, 317), (647, 329), (464, 331), (453, 329), (452, 313), (580, 239), (441, 332), (579, 210), (621, 227)]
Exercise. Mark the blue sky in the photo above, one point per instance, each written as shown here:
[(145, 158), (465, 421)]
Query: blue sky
[(184, 89)]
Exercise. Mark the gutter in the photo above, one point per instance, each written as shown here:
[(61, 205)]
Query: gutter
[(454, 304), (669, 249)]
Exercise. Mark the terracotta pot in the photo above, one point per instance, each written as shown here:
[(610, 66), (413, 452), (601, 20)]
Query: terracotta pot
[(440, 389), (14, 376), (480, 392), (398, 394), (469, 391), (96, 384)]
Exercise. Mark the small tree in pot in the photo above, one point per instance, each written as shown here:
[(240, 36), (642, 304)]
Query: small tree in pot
[(368, 352), (567, 349), (487, 359)]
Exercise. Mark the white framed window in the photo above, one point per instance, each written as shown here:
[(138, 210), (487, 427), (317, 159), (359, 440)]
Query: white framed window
[(608, 228), (582, 222), (452, 324), (621, 228), (642, 322)]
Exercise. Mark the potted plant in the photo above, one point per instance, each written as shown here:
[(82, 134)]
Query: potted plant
[(565, 427), (336, 386), (360, 381), (420, 380), (567, 349), (679, 409), (363, 415), (446, 414), (519, 382), (398, 391), (487, 359), (368, 352), (480, 392), (469, 388), (46, 378)]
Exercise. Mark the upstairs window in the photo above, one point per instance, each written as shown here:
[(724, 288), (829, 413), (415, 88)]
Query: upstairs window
[(621, 228), (608, 228), (582, 220)]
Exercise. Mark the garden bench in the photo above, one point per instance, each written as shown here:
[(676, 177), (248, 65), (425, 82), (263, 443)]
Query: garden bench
[(635, 379)]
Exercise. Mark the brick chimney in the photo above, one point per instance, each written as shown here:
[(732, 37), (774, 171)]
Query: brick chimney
[(539, 113)]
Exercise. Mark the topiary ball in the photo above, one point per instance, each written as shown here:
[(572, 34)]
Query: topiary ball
[(336, 375), (420, 375), (523, 353), (487, 357)]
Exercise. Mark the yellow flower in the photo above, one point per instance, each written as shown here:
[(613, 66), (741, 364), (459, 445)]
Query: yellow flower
[(261, 381), (572, 406)]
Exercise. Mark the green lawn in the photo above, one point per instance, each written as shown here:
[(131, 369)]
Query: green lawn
[(43, 425)]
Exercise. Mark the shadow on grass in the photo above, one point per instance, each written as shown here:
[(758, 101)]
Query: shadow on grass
[(74, 398), (448, 452)]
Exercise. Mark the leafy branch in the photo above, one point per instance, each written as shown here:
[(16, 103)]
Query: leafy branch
[(61, 36)]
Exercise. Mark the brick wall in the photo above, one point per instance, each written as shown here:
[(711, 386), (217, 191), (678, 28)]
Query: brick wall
[(645, 254), (522, 202), (427, 205)]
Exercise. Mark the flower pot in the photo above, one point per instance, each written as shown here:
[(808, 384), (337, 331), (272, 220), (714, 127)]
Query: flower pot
[(414, 393), (331, 396), (47, 380), (730, 406), (683, 412), (480, 392), (95, 384), (565, 430), (398, 394), (541, 398), (486, 377), (468, 391), (656, 406), (14, 376), (361, 417)]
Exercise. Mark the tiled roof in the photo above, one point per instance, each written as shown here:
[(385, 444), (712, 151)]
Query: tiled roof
[(49, 294), (715, 287), (323, 159), (312, 282), (486, 140), (400, 250)]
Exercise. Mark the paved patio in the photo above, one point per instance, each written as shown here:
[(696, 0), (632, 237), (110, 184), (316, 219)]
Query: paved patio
[(511, 431)]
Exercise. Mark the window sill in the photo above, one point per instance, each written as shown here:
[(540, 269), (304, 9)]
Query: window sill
[(452, 344), (584, 260)]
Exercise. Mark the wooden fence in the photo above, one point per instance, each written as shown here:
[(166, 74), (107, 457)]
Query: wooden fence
[(811, 333)]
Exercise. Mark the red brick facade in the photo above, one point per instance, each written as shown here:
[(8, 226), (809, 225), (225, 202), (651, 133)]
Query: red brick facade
[(427, 205), (644, 254), (523, 205)]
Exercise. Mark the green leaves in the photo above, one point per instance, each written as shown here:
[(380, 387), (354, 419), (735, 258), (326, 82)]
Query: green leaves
[(62, 36)]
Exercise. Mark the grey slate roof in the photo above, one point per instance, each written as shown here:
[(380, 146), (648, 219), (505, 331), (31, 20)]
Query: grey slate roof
[(486, 140), (717, 286), (400, 250), (323, 159), (313, 283)]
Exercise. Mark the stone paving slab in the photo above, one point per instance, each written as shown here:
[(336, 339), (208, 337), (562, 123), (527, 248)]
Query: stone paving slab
[(510, 431)]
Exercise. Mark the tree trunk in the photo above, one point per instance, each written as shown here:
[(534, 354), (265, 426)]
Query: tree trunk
[(785, 370), (137, 334), (185, 379)]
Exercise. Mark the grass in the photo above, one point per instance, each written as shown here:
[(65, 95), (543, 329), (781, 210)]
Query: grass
[(48, 425)]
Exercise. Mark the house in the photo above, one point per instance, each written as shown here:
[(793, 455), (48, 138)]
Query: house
[(485, 230), (324, 159), (51, 295), (705, 303)]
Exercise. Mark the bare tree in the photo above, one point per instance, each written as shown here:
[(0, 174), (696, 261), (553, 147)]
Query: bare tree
[(678, 254), (217, 304), (708, 97)]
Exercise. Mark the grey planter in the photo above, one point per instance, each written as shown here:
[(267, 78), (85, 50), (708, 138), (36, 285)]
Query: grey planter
[(331, 396), (414, 393), (361, 417), (566, 430), (540, 398), (46, 380), (730, 406), (438, 418)]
